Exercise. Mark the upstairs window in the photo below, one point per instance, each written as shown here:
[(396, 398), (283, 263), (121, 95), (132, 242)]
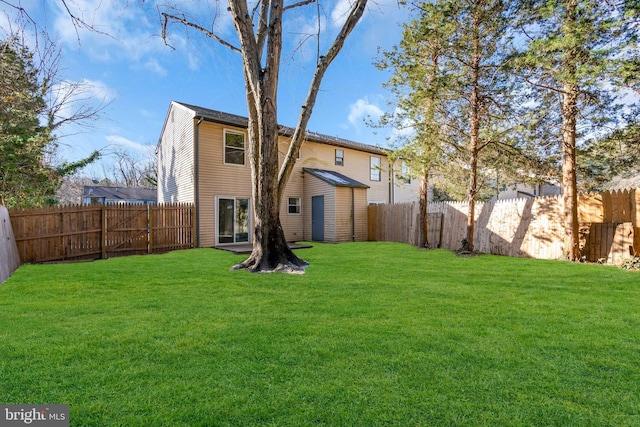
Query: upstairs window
[(375, 167), (339, 157), (234, 148), (405, 173)]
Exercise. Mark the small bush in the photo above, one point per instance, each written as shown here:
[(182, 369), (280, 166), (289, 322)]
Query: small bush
[(632, 263)]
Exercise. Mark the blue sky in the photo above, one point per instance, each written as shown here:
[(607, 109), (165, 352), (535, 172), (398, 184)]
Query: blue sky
[(130, 65)]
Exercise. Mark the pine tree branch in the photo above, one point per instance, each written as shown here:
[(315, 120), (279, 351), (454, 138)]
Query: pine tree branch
[(540, 85)]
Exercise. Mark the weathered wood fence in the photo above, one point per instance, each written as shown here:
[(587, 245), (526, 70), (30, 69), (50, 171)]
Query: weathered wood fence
[(9, 260), (86, 232), (609, 226)]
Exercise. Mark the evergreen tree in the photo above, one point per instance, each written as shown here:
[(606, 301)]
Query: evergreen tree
[(615, 156), (450, 84), (27, 177), (25, 180), (569, 49)]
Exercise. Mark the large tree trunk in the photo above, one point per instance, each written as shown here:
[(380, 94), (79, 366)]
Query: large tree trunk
[(569, 115), (424, 203), (569, 181), (260, 35), (270, 249), (474, 138)]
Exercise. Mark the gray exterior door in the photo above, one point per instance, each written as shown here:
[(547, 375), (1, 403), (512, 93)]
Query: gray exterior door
[(317, 218)]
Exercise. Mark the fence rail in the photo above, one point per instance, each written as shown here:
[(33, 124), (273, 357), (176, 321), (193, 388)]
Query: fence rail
[(86, 232), (609, 225)]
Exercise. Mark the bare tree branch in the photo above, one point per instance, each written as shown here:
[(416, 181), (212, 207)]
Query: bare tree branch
[(305, 114), (261, 34), (302, 3), (203, 30)]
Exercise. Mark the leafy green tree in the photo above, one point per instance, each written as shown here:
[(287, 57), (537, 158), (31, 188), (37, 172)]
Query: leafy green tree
[(569, 49), (27, 176), (24, 179)]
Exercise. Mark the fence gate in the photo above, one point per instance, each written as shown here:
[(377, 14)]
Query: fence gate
[(126, 231), (609, 242)]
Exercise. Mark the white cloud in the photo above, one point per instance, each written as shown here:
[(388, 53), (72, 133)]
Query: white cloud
[(340, 12), (122, 31), (154, 65), (362, 110), (120, 141)]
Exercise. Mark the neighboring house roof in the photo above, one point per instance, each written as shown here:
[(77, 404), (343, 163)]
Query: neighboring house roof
[(623, 183), (334, 178), (234, 120), (119, 193)]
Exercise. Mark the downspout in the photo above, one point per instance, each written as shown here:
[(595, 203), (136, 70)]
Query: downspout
[(196, 161), (392, 195), (353, 215)]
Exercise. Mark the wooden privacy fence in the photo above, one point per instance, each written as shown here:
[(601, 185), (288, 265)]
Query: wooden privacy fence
[(9, 260), (86, 232), (609, 226)]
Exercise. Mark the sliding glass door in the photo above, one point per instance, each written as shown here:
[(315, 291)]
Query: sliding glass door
[(233, 220)]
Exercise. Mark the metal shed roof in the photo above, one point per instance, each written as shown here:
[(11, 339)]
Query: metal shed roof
[(334, 178)]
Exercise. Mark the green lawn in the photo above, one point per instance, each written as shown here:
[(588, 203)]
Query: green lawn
[(372, 334)]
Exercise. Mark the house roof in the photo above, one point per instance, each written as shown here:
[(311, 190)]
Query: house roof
[(334, 178), (119, 193), (234, 120)]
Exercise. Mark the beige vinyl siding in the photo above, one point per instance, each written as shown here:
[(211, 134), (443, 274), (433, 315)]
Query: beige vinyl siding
[(218, 179), (293, 225), (356, 166), (316, 187), (175, 157), (344, 225), (406, 192), (176, 173)]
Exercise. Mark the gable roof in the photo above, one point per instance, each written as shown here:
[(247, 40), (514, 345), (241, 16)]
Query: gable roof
[(119, 193), (240, 121), (334, 178)]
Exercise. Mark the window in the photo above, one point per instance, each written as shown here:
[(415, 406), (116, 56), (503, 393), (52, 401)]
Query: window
[(233, 148), (339, 157), (294, 206), (375, 169), (405, 173)]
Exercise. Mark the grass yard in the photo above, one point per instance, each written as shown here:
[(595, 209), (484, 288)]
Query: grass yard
[(372, 334)]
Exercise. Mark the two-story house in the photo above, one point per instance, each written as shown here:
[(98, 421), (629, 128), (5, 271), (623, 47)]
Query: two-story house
[(202, 159)]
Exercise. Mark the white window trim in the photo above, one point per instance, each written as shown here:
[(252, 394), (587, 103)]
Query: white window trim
[(405, 173), (299, 205), (336, 157), (217, 219), (224, 147), (371, 168)]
